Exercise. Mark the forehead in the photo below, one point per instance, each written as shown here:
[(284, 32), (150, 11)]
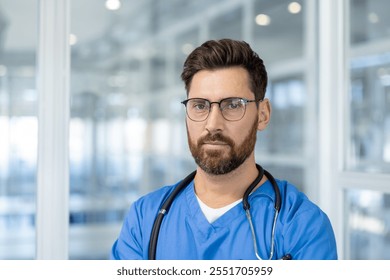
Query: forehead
[(221, 83)]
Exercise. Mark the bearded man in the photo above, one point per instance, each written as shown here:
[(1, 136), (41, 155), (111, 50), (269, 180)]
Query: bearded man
[(230, 207)]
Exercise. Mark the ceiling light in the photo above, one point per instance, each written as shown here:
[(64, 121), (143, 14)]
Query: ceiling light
[(373, 17), (72, 39), (263, 19), (294, 7), (113, 4)]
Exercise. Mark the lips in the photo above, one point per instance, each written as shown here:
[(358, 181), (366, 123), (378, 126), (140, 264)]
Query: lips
[(214, 143), (215, 139)]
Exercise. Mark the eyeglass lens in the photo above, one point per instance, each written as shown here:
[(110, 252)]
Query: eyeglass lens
[(232, 109)]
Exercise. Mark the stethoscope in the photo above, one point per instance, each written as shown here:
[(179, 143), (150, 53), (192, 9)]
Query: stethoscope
[(245, 204)]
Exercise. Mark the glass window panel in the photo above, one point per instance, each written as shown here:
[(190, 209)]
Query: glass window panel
[(275, 27), (293, 174), (367, 230), (184, 45), (369, 21), (227, 25), (158, 68), (18, 128), (288, 100), (369, 118), (103, 171), (169, 13)]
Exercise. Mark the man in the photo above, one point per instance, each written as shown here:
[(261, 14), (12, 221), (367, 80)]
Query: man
[(226, 82)]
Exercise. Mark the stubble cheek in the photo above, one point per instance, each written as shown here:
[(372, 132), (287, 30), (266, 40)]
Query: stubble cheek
[(192, 144)]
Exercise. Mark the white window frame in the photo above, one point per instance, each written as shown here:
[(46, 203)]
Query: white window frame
[(332, 89), (52, 213)]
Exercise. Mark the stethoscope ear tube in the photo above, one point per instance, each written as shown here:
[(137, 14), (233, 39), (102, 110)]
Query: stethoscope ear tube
[(163, 210), (278, 199), (248, 191)]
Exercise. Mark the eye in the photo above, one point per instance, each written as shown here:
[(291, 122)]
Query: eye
[(232, 104), (199, 105)]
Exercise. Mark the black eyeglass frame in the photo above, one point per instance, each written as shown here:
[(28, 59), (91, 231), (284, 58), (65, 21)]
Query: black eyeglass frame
[(243, 100)]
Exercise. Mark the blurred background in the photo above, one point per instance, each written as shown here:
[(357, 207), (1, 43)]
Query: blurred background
[(127, 133)]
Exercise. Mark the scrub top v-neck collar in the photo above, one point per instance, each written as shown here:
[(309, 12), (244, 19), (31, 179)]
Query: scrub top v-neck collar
[(226, 219)]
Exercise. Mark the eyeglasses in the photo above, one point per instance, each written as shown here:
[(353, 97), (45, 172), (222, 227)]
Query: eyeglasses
[(232, 108)]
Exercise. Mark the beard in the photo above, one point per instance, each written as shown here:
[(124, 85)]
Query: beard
[(220, 161)]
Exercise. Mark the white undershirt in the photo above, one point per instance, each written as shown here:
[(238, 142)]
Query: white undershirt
[(212, 214)]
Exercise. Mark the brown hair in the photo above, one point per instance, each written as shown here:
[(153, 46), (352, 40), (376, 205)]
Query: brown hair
[(217, 54)]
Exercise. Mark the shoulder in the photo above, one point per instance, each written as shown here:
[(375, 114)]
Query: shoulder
[(300, 214), (294, 200), (153, 200), (134, 235), (294, 203), (305, 225)]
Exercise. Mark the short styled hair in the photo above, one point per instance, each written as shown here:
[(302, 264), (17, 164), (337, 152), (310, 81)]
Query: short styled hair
[(225, 53)]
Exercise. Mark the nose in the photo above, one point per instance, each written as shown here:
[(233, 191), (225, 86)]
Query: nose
[(215, 120)]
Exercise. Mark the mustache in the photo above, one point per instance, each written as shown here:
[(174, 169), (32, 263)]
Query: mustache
[(216, 137)]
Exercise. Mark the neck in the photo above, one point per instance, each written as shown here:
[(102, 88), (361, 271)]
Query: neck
[(220, 190)]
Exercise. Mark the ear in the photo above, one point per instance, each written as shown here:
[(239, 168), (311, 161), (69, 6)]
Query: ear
[(264, 113)]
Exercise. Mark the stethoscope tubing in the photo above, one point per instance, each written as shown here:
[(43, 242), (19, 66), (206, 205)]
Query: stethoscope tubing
[(187, 180), (163, 210)]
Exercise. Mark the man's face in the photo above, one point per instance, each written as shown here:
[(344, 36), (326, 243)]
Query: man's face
[(217, 145)]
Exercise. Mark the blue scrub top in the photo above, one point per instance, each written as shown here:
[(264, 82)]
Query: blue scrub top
[(303, 230)]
